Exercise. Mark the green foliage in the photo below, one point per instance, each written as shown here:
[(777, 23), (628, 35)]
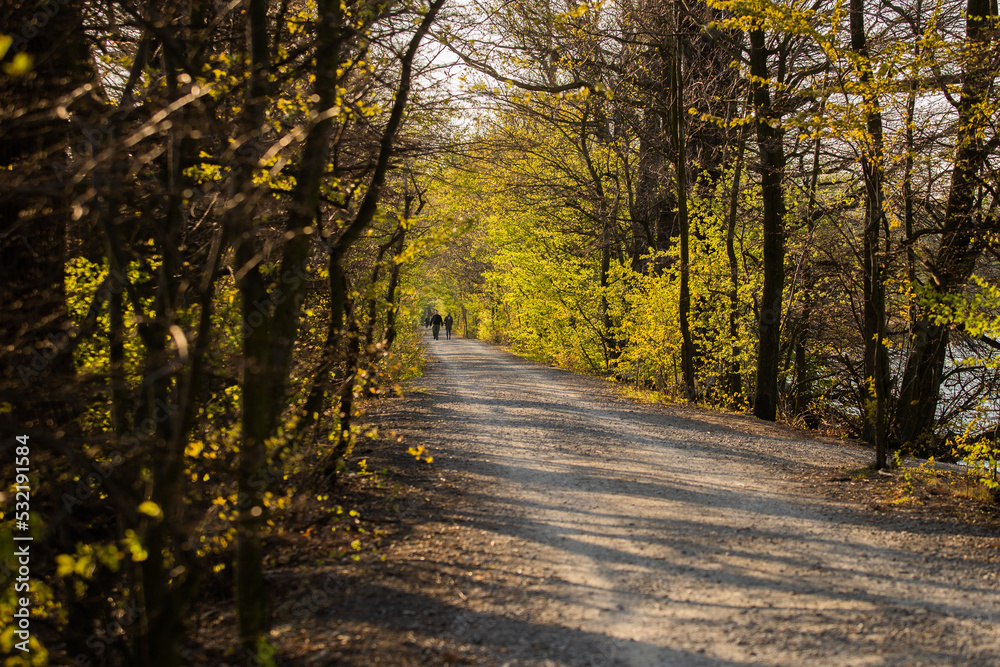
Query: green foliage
[(980, 454), (977, 311), (540, 288), (45, 606), (543, 298)]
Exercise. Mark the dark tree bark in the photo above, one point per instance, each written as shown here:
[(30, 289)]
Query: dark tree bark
[(36, 375), (802, 392), (961, 241), (733, 381), (392, 308), (876, 366), (258, 411), (770, 143), (647, 208), (345, 396), (681, 176)]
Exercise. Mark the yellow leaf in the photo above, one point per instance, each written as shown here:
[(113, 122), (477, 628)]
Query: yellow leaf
[(64, 565), (20, 66), (85, 566), (151, 509), (5, 42)]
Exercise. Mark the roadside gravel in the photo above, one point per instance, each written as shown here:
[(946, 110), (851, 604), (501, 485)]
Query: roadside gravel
[(590, 530), (568, 526)]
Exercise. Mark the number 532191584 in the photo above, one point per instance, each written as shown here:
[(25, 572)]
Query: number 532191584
[(22, 487)]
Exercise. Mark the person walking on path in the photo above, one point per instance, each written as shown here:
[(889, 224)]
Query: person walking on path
[(447, 326), (436, 324)]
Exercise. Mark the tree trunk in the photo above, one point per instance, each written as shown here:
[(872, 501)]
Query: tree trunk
[(770, 142), (644, 211), (680, 174), (346, 395), (611, 352), (36, 377), (257, 408), (392, 309), (961, 242), (168, 594), (876, 366), (733, 381)]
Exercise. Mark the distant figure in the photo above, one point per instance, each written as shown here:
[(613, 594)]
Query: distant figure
[(447, 326), (427, 321), (436, 324)]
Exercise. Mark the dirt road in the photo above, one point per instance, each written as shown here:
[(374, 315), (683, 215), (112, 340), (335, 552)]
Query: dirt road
[(596, 531)]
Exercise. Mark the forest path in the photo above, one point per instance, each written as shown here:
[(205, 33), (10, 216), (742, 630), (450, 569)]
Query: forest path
[(613, 533)]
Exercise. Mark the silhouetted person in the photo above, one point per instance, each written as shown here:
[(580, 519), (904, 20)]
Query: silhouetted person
[(436, 324), (447, 326)]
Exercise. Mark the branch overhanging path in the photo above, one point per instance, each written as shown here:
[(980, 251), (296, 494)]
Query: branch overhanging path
[(614, 533)]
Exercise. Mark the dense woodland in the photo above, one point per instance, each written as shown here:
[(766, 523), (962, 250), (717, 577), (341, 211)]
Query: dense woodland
[(222, 221)]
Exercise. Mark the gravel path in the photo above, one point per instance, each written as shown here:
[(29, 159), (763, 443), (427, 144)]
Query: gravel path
[(614, 533)]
